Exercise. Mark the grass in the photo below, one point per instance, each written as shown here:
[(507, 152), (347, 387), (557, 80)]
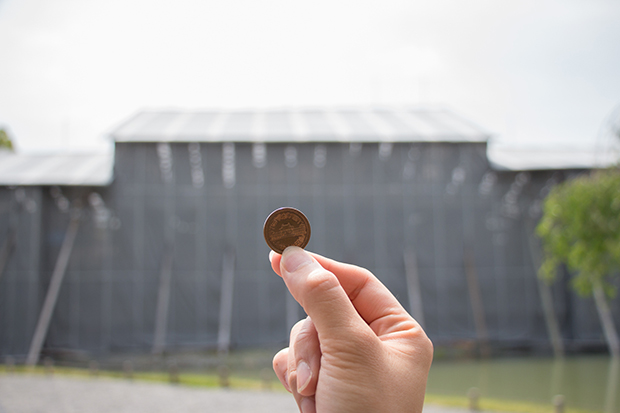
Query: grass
[(241, 382), (186, 379), (497, 405)]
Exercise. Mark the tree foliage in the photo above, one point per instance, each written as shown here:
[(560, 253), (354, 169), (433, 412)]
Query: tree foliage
[(5, 141), (580, 228)]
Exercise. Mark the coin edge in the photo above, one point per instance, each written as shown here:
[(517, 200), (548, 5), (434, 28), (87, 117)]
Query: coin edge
[(302, 216)]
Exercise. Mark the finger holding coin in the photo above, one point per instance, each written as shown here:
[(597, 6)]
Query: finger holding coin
[(286, 227)]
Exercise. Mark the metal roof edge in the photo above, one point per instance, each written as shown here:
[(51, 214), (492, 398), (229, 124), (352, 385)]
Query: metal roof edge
[(135, 127), (57, 169), (545, 158)]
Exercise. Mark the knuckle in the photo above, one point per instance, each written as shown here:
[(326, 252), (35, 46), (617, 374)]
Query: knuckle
[(296, 329), (423, 348), (429, 349), (280, 359), (306, 338), (320, 282), (366, 273)]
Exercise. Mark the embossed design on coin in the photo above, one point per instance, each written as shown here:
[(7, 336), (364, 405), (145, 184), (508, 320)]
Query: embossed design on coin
[(285, 227)]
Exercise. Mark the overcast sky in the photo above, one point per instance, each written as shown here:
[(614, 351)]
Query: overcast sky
[(532, 72)]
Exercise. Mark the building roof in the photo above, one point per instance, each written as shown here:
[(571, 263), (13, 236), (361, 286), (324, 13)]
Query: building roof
[(300, 125), (287, 125), (56, 169), (533, 159)]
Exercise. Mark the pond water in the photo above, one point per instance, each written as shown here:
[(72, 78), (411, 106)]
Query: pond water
[(591, 383)]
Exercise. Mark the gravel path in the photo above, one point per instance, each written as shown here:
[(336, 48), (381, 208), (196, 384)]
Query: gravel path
[(20, 393)]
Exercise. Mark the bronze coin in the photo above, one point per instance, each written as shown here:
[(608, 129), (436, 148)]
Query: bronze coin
[(285, 227)]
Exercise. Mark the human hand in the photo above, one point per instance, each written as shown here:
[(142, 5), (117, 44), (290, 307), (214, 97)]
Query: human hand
[(358, 350)]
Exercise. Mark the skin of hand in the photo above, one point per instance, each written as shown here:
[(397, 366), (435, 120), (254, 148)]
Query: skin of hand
[(358, 350)]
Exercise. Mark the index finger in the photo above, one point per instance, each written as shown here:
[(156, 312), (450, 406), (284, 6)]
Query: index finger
[(372, 300)]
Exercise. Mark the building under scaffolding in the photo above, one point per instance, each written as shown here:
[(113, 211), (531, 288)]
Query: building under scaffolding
[(170, 254)]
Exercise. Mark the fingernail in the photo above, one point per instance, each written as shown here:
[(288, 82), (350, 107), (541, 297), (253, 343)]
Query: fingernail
[(304, 374), (271, 253), (293, 258), (307, 405)]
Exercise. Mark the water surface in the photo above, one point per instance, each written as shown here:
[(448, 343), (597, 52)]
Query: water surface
[(591, 383)]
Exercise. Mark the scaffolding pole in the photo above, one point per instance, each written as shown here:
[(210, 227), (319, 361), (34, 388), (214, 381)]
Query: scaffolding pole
[(53, 290), (226, 302), (413, 286), (163, 302), (475, 297), (7, 248), (546, 300)]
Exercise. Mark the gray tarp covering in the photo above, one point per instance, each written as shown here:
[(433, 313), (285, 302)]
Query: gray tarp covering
[(368, 203)]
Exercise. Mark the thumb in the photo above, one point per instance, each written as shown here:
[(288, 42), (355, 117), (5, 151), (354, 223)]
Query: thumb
[(320, 294)]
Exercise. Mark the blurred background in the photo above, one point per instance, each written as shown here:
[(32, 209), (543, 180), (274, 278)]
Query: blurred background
[(145, 143)]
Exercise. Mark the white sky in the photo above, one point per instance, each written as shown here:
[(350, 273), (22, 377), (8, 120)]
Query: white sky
[(533, 72)]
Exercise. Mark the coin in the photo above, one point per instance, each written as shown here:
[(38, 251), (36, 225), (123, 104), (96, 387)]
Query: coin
[(285, 227)]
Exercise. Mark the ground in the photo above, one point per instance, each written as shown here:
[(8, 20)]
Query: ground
[(22, 393)]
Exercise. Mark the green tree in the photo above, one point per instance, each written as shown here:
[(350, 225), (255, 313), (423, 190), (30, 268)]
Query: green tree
[(580, 228), (5, 141)]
